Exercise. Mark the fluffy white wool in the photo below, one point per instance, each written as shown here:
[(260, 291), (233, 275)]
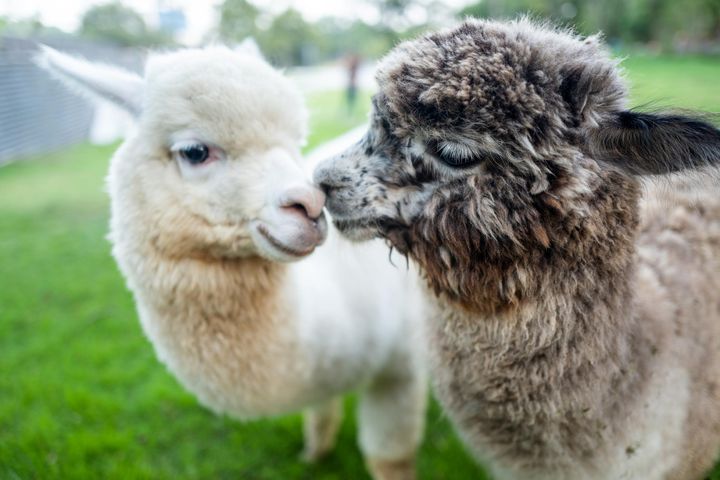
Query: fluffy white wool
[(248, 334)]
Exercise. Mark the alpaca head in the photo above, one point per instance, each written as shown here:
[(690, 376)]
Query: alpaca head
[(214, 167), (481, 137), (484, 100)]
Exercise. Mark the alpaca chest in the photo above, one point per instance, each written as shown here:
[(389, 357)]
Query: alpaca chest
[(532, 417), (231, 366)]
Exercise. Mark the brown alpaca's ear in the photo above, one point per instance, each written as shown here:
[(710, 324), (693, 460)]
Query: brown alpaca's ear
[(592, 90), (651, 144), (591, 85)]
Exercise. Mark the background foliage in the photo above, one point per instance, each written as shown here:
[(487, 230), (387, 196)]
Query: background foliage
[(288, 39)]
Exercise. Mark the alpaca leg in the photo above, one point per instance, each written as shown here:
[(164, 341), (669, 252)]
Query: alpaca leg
[(391, 419), (320, 428), (382, 469)]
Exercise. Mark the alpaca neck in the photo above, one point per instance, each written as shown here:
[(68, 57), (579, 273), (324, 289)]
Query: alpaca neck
[(553, 380), (225, 327), (557, 368)]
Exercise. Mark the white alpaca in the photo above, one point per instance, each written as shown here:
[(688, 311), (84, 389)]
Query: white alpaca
[(209, 203)]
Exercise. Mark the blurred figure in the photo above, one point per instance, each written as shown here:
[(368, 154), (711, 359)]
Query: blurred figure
[(353, 65)]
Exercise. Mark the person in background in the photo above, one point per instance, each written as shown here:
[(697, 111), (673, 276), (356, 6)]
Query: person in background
[(353, 65)]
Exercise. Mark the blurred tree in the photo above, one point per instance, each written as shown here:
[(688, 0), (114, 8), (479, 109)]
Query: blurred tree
[(710, 11), (392, 12), (713, 8), (237, 20), (289, 40), (660, 22), (476, 10), (27, 27), (336, 38), (394, 18), (116, 23)]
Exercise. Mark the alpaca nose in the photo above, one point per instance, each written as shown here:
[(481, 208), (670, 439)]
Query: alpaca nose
[(325, 178), (307, 200)]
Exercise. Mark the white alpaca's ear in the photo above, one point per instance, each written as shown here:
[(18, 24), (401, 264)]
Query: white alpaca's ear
[(250, 47), (94, 80)]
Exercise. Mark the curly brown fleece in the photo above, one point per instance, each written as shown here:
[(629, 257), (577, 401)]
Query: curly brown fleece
[(577, 326)]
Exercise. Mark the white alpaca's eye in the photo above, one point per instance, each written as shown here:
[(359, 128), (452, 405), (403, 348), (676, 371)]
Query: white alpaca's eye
[(197, 159), (195, 154)]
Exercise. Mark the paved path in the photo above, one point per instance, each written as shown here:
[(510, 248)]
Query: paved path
[(331, 77)]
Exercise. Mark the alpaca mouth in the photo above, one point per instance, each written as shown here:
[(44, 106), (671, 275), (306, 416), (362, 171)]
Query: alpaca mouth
[(367, 228), (293, 252), (357, 229), (379, 224), (344, 224)]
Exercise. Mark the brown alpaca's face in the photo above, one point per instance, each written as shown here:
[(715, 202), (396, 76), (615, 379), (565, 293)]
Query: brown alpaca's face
[(444, 202), (474, 137)]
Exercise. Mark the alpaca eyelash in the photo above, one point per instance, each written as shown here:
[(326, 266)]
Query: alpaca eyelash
[(455, 150), (452, 155), (459, 151), (214, 152), (181, 145)]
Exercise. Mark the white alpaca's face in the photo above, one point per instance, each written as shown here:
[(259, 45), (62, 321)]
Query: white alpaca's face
[(218, 167)]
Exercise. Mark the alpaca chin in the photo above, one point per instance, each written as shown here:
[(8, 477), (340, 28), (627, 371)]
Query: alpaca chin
[(357, 230), (289, 240)]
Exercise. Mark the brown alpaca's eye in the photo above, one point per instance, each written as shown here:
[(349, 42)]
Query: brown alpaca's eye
[(195, 154), (451, 154)]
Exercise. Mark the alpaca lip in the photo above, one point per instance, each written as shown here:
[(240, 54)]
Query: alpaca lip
[(344, 224), (379, 224), (281, 246), (358, 229), (367, 228)]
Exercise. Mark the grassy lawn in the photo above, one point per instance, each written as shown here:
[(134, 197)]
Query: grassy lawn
[(685, 82), (81, 393)]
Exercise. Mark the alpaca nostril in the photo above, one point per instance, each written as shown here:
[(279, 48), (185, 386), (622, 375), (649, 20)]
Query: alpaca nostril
[(329, 185), (326, 188), (326, 180), (300, 208), (308, 202)]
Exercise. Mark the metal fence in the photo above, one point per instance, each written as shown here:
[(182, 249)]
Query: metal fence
[(37, 114)]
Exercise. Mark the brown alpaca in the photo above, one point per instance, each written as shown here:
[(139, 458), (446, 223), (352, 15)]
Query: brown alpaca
[(577, 326)]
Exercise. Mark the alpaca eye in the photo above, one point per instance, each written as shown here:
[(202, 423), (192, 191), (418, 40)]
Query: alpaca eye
[(195, 154), (458, 162), (452, 154)]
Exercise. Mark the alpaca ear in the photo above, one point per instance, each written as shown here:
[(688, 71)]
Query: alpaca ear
[(249, 46), (651, 144), (591, 85), (94, 80)]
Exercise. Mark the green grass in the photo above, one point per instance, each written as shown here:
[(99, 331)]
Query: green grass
[(681, 82), (81, 393), (329, 116)]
